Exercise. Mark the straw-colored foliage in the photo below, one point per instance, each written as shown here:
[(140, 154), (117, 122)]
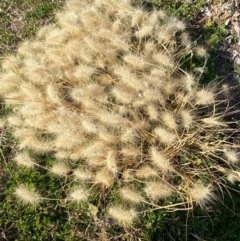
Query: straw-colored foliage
[(103, 92)]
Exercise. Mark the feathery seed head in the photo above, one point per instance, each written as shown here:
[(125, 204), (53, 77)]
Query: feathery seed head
[(123, 216), (149, 47), (104, 178), (83, 73), (165, 137), (200, 51), (23, 158), (83, 174), (28, 196), (204, 97), (137, 17), (89, 126), (187, 118), (146, 171), (111, 162), (213, 122), (188, 82), (231, 156), (127, 174), (129, 78), (95, 150), (157, 190), (168, 120), (135, 61), (78, 195), (163, 60), (108, 137), (123, 94), (162, 14), (144, 31), (130, 152), (129, 135), (233, 177), (8, 82), (130, 195), (153, 18), (152, 112), (202, 195), (53, 94), (159, 159), (60, 169)]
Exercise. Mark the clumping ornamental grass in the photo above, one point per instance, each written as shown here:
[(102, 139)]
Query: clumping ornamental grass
[(102, 91)]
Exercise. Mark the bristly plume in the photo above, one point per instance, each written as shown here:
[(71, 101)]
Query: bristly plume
[(202, 195), (130, 195), (157, 190), (204, 97), (189, 82), (168, 120), (23, 158), (213, 122), (187, 118), (111, 162), (28, 196), (231, 156), (104, 178), (135, 61), (78, 195), (146, 171), (152, 112), (159, 159), (60, 169), (165, 137), (123, 216), (83, 174), (129, 136)]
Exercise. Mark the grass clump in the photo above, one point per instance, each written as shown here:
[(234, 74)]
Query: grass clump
[(102, 91)]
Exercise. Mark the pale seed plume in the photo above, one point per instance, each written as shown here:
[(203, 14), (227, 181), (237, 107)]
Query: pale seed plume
[(213, 122), (145, 171), (152, 112), (204, 97), (122, 94), (23, 158), (78, 195), (60, 169), (169, 120), (202, 195), (157, 190), (26, 195), (163, 59), (130, 195), (200, 51), (188, 82), (166, 137), (187, 118), (111, 162), (123, 216), (104, 178), (129, 135), (159, 159), (144, 31), (231, 156), (83, 174)]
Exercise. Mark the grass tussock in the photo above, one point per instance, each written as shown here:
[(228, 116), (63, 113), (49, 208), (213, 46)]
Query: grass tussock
[(104, 87)]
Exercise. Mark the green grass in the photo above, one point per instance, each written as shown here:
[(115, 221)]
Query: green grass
[(56, 220), (19, 19)]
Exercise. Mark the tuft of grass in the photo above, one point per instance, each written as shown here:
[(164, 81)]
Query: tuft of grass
[(58, 219)]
